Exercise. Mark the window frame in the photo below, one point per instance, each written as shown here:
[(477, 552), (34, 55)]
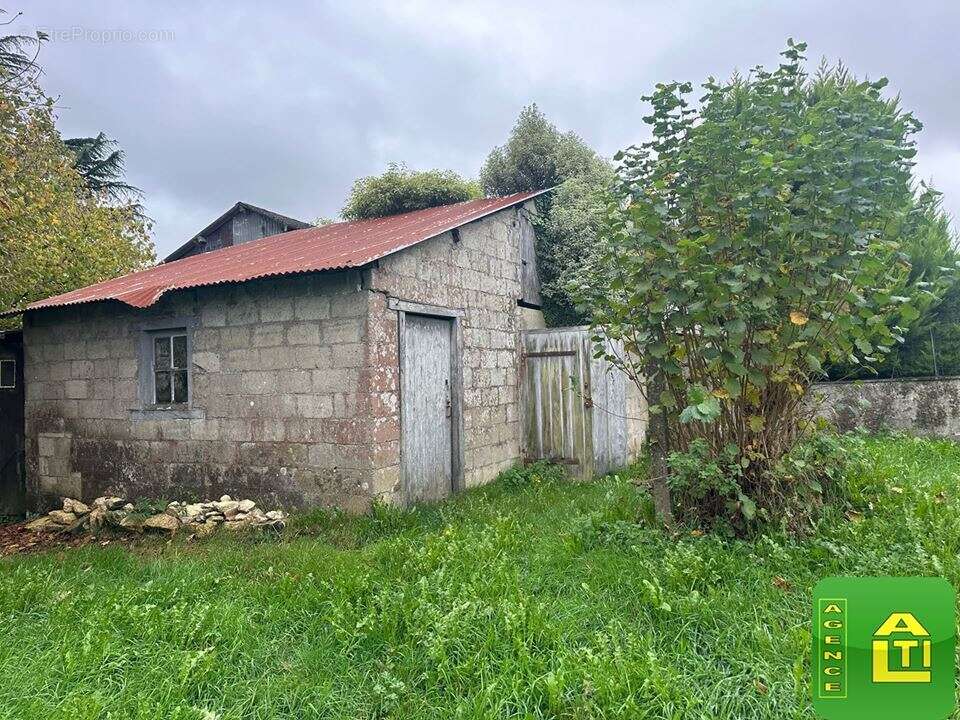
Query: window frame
[(14, 362), (146, 374), (172, 371)]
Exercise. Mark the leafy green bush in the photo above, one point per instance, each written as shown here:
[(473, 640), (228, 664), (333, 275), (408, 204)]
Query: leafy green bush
[(932, 347), (931, 245), (747, 249), (400, 190), (707, 488), (699, 480)]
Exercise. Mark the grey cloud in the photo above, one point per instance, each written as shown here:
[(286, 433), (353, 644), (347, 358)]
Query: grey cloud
[(285, 104)]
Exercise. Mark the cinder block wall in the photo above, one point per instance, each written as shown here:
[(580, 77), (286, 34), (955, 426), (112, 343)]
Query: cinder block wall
[(479, 274), (279, 413)]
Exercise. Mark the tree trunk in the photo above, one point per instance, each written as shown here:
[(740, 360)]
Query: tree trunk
[(659, 444)]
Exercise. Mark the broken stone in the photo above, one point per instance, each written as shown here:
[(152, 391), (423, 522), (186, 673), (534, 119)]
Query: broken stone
[(75, 506), (81, 523), (97, 518), (134, 523), (43, 524), (109, 503), (203, 518), (227, 506), (62, 518), (204, 530), (162, 521), (114, 517)]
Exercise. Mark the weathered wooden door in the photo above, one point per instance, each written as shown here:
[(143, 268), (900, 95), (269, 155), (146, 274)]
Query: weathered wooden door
[(574, 405), (529, 279), (427, 415), (556, 385)]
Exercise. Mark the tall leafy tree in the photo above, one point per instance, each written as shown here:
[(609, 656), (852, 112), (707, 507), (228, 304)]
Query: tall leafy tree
[(99, 160), (749, 246), (537, 156), (18, 56), (932, 346), (100, 163), (55, 233)]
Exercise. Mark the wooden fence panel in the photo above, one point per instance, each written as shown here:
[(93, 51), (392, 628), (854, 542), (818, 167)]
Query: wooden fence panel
[(609, 396)]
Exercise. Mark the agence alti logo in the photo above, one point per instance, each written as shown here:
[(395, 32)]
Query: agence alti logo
[(883, 647)]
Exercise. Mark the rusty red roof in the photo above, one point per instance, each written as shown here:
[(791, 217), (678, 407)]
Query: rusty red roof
[(331, 247)]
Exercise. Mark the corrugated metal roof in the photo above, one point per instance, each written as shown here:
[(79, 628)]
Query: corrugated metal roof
[(331, 247)]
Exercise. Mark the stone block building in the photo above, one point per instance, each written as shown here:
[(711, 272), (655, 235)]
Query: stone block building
[(361, 360)]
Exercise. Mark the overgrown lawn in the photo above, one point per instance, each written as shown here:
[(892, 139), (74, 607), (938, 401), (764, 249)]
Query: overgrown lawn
[(541, 600)]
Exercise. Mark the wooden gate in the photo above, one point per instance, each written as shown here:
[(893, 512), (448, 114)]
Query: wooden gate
[(574, 406)]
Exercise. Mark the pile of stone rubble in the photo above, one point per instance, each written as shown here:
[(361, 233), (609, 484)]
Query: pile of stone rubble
[(199, 518)]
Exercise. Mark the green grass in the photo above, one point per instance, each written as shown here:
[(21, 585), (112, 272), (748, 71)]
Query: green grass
[(528, 601)]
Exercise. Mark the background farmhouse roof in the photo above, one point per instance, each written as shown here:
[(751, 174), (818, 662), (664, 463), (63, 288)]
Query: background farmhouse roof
[(291, 223), (331, 247)]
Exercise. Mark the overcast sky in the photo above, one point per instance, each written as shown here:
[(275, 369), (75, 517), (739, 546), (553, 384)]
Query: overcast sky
[(285, 104)]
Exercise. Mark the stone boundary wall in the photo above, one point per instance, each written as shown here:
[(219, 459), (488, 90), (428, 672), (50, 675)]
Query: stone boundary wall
[(925, 406)]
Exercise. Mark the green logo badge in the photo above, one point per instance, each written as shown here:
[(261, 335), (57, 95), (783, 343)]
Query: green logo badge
[(883, 647)]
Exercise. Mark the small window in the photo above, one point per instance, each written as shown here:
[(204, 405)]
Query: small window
[(171, 378), (8, 374)]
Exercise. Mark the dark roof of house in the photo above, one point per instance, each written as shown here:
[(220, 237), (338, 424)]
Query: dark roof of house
[(196, 239), (331, 247)]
